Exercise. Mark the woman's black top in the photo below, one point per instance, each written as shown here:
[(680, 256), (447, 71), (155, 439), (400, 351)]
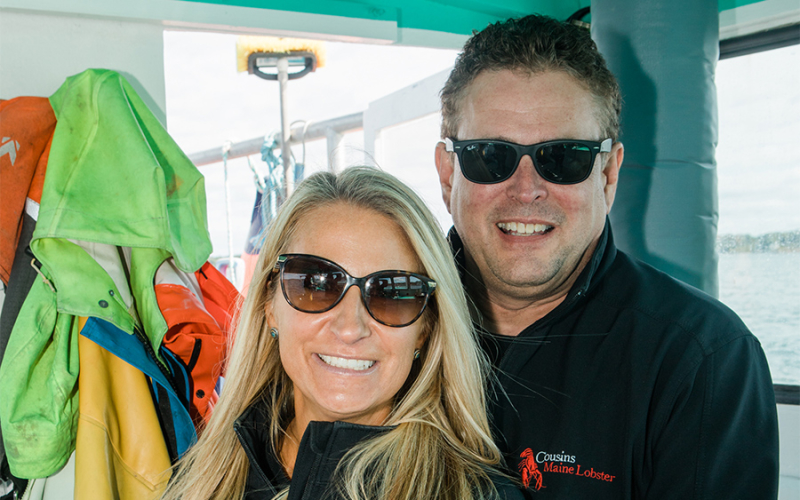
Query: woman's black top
[(322, 447)]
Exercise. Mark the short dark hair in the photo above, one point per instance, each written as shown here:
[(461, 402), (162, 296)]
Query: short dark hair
[(534, 44)]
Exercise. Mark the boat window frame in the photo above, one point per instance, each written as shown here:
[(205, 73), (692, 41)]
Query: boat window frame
[(786, 394), (759, 42), (785, 36)]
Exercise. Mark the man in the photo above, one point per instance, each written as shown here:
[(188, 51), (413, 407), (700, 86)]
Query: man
[(614, 380)]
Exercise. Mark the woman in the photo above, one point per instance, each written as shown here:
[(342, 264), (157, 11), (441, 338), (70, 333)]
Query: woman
[(353, 387)]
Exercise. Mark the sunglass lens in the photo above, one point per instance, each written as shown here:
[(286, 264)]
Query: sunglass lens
[(312, 285), (395, 299), (488, 162), (564, 163)]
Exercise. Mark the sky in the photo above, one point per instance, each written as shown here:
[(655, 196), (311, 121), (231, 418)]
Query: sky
[(758, 161), (209, 102)]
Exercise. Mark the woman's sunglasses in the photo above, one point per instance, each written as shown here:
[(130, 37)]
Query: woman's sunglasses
[(312, 284), (486, 161)]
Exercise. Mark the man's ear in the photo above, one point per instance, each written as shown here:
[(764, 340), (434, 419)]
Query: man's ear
[(444, 166), (611, 173)]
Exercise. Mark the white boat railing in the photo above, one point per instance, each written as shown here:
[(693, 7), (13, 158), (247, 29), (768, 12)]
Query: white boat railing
[(332, 131)]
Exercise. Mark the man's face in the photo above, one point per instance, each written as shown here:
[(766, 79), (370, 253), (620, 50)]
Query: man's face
[(565, 220)]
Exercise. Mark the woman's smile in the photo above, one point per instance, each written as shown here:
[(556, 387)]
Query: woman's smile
[(358, 365)]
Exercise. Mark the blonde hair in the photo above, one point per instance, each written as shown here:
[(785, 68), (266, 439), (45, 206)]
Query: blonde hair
[(441, 446)]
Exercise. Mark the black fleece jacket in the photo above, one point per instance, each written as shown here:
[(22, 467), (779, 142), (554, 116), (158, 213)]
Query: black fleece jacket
[(637, 386), (322, 447)]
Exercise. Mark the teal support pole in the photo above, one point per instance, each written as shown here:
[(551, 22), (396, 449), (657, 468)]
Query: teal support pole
[(664, 54)]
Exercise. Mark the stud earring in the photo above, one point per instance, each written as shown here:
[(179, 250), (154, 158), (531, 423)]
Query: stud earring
[(273, 332), (416, 353)]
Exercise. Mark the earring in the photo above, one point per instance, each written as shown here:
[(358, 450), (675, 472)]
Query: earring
[(416, 353), (273, 332)]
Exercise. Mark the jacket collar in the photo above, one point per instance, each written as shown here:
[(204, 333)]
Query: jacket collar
[(252, 428), (604, 254), (322, 447)]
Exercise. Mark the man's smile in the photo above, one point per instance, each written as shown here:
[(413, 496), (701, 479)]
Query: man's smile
[(523, 229)]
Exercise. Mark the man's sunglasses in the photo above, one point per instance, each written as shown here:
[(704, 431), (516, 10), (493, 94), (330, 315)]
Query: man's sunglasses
[(486, 161), (312, 284)]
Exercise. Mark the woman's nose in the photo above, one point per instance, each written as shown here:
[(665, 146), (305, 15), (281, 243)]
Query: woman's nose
[(351, 318)]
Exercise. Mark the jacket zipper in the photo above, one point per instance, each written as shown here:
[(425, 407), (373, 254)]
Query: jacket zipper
[(138, 332), (151, 353)]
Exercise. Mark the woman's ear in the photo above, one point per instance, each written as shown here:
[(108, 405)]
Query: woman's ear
[(430, 319), (269, 314), (422, 339)]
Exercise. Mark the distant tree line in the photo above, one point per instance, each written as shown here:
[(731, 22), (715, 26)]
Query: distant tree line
[(770, 242)]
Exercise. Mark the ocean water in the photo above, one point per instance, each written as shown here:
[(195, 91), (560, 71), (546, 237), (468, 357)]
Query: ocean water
[(764, 290)]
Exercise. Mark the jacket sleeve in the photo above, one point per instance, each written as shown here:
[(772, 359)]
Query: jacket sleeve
[(719, 438), (39, 387)]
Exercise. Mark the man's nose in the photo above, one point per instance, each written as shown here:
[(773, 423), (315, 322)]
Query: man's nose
[(526, 185), (351, 318)]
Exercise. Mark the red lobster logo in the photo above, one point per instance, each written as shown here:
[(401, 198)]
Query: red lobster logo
[(530, 471)]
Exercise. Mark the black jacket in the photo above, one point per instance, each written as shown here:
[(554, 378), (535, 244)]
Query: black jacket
[(635, 387), (322, 447)]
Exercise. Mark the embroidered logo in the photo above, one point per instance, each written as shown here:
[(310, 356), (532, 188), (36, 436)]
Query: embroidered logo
[(530, 471), (9, 147), (534, 464)]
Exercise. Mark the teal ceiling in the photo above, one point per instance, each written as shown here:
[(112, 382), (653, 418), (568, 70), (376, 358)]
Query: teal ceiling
[(450, 16)]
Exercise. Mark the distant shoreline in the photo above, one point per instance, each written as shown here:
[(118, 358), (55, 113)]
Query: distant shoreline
[(786, 242)]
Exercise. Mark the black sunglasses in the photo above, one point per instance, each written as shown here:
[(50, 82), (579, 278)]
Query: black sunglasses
[(312, 284), (487, 161)]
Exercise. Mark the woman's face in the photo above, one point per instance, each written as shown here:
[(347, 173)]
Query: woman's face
[(344, 364)]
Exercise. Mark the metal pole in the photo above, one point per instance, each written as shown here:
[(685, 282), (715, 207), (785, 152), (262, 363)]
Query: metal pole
[(335, 154), (231, 272), (283, 81)]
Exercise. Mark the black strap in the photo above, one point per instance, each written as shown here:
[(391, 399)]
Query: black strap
[(164, 412)]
